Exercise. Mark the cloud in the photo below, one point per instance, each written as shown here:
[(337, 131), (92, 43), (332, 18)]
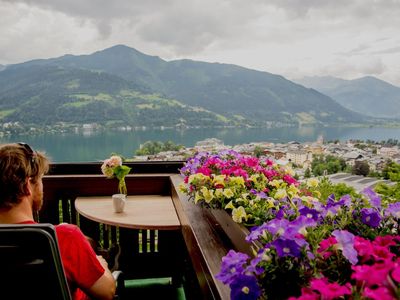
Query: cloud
[(275, 35)]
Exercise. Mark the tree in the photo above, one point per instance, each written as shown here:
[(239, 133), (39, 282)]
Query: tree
[(307, 173), (361, 167), (327, 164), (391, 171), (154, 147), (258, 151)]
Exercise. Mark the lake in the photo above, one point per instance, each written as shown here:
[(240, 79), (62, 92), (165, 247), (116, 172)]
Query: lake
[(96, 146)]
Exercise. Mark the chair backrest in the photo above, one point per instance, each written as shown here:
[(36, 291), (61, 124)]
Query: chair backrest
[(30, 263)]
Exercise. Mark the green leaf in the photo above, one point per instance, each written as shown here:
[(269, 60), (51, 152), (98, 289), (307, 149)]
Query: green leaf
[(121, 171)]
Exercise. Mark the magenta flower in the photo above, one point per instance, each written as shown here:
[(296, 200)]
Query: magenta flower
[(330, 291), (380, 293), (396, 272), (289, 179), (346, 244), (363, 247), (372, 275), (307, 294), (251, 162), (386, 241), (380, 253), (325, 245), (204, 170)]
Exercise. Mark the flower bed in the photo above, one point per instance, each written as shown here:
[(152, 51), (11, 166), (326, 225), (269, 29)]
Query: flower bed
[(343, 247)]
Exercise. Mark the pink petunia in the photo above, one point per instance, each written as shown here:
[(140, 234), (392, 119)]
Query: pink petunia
[(380, 293), (250, 161), (289, 179), (330, 291), (385, 241), (380, 253), (372, 275), (396, 272), (363, 247), (325, 245), (204, 170)]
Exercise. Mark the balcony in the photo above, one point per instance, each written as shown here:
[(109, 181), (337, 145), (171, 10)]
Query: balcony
[(190, 256)]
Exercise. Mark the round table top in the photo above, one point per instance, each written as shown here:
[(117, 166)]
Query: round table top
[(140, 212)]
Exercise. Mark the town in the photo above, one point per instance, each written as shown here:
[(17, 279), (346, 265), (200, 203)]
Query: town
[(358, 158)]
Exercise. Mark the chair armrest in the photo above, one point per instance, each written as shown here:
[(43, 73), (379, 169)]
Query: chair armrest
[(120, 282)]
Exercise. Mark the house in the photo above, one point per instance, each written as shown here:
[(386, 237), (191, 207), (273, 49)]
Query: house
[(299, 157), (351, 157)]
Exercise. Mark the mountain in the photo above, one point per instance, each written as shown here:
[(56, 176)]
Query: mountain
[(366, 95), (235, 93), (49, 94)]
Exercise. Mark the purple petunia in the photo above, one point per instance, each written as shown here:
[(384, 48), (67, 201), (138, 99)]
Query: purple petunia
[(261, 194), (245, 287), (298, 226), (256, 232), (345, 242), (393, 210), (309, 213), (374, 199), (286, 247), (370, 217), (277, 226), (232, 266)]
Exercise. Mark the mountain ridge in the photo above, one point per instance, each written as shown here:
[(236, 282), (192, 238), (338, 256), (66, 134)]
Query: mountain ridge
[(361, 94), (232, 92)]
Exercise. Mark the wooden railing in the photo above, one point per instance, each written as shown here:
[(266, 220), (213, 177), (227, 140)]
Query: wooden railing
[(191, 255)]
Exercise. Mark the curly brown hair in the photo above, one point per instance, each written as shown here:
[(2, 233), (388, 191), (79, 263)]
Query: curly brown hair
[(17, 163)]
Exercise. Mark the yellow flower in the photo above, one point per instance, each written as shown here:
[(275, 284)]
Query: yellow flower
[(237, 180), (254, 177), (219, 180), (270, 203), (317, 194), (280, 194), (228, 193), (276, 182), (207, 194), (199, 178), (292, 191), (218, 193), (312, 182), (182, 188), (238, 214), (197, 197), (229, 205)]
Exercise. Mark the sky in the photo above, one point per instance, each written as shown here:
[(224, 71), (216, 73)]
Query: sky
[(293, 38)]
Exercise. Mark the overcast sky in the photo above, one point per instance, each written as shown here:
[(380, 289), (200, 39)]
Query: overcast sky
[(293, 38)]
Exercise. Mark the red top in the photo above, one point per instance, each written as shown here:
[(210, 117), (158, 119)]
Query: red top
[(79, 259)]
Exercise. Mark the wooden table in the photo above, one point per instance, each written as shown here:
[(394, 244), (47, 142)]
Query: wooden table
[(141, 212)]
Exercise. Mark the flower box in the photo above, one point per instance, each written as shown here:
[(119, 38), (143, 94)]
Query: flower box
[(234, 231)]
